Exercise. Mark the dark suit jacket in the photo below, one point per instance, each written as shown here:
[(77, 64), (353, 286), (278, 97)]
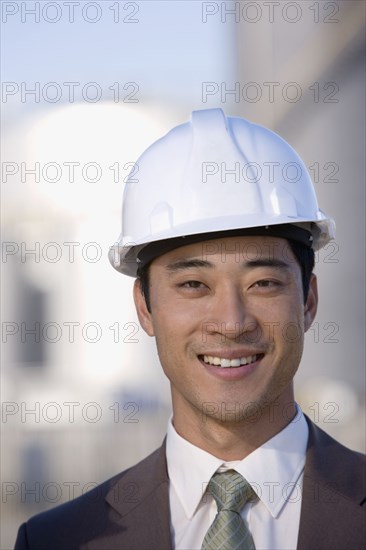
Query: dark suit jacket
[(131, 511)]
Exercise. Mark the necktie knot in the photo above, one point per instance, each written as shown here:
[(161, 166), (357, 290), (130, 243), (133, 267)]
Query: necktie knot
[(230, 491), (228, 530)]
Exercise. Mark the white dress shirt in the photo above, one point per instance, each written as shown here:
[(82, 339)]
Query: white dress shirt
[(275, 471)]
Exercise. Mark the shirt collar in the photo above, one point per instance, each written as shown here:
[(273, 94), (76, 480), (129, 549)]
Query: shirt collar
[(273, 469), (189, 468)]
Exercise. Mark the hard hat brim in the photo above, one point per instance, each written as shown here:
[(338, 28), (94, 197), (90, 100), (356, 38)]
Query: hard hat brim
[(128, 257)]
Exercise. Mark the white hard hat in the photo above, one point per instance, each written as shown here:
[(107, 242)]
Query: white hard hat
[(215, 174)]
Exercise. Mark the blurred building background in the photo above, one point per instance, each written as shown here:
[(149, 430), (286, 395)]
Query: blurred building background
[(85, 89)]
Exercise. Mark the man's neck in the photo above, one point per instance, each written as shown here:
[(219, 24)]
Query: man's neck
[(235, 439)]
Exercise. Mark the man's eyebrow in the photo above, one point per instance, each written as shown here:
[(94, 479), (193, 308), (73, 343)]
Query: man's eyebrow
[(187, 264), (180, 265)]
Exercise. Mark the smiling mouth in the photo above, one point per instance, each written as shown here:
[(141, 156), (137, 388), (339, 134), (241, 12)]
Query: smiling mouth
[(230, 363)]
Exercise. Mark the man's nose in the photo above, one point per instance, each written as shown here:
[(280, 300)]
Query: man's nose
[(230, 315)]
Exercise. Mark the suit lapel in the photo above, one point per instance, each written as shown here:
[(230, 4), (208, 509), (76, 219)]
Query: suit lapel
[(139, 517), (331, 515)]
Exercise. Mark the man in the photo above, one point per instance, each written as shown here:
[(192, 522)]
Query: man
[(220, 228)]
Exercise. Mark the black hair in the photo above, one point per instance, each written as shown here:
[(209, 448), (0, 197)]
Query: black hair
[(306, 259), (304, 255)]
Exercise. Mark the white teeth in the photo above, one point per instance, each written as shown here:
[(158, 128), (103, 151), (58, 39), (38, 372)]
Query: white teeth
[(225, 363)]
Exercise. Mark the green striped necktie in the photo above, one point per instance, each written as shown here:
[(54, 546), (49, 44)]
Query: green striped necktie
[(228, 530)]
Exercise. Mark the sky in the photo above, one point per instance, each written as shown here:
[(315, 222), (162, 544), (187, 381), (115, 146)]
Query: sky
[(164, 47)]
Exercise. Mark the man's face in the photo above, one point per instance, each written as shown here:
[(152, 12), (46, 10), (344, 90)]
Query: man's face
[(229, 319)]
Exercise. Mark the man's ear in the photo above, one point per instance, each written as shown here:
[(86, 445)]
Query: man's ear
[(311, 304), (142, 312)]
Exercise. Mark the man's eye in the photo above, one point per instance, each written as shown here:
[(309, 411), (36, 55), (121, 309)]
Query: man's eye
[(192, 284), (266, 283)]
